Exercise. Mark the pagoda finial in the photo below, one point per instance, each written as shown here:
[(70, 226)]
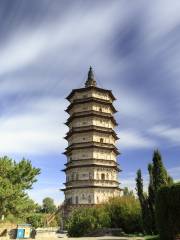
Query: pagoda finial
[(90, 80)]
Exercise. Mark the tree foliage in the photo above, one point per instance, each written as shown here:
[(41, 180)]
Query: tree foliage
[(168, 211), (127, 192), (48, 205), (158, 177), (15, 179), (82, 221), (123, 212), (143, 202)]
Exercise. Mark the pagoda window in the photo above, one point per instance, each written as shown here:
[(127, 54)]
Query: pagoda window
[(100, 109), (83, 196), (69, 200), (90, 176), (89, 199), (101, 140), (77, 200), (77, 176), (102, 176)]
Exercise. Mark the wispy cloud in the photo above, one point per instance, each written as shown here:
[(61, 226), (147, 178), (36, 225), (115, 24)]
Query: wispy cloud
[(172, 134), (45, 52), (134, 140), (128, 179), (35, 131)]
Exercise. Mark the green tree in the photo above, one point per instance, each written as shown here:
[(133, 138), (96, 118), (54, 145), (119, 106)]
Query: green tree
[(36, 220), (48, 205), (15, 179), (151, 199), (143, 199), (139, 187), (125, 213), (160, 176), (168, 211), (81, 222), (127, 192)]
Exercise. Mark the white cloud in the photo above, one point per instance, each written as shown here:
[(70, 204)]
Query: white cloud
[(38, 130), (175, 173), (128, 178), (129, 181), (68, 36), (168, 133), (133, 140)]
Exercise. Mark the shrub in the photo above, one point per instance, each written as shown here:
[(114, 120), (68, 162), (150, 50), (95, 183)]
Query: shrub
[(82, 221), (125, 213), (36, 220), (168, 211)]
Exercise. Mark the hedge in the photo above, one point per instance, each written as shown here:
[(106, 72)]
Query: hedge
[(168, 211)]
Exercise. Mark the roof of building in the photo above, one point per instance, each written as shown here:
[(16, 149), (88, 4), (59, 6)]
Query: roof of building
[(91, 100)]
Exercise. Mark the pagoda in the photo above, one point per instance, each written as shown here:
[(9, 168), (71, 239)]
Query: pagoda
[(91, 169)]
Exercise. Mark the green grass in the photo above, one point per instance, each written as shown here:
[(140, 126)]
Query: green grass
[(152, 238)]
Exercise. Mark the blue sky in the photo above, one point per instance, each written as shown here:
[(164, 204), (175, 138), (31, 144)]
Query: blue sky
[(46, 48)]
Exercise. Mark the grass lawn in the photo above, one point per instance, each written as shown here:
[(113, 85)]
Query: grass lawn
[(151, 238)]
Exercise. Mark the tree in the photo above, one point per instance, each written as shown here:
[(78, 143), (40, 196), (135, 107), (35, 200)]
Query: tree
[(119, 212), (168, 211), (139, 186), (48, 205), (81, 222), (127, 192), (36, 220), (125, 213), (160, 176), (15, 179), (143, 199), (151, 199)]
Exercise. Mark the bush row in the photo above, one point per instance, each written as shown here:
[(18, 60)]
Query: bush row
[(168, 211), (123, 212)]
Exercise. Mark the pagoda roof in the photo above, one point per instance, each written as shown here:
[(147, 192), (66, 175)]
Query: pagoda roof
[(91, 113), (92, 145), (90, 129), (91, 99), (92, 159), (85, 89), (98, 144), (91, 165), (91, 181), (90, 186)]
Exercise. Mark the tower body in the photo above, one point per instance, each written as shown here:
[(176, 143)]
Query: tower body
[(91, 169)]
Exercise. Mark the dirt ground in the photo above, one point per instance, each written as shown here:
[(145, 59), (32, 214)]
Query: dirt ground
[(64, 236)]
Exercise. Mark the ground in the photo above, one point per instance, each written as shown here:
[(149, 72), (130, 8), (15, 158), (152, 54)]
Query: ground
[(64, 236)]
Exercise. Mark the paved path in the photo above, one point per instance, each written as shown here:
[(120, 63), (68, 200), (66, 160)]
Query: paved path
[(64, 236)]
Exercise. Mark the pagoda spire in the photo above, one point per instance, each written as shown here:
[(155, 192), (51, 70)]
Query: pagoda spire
[(90, 80)]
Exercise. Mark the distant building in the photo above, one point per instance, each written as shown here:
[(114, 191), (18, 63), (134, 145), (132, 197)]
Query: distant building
[(91, 169)]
